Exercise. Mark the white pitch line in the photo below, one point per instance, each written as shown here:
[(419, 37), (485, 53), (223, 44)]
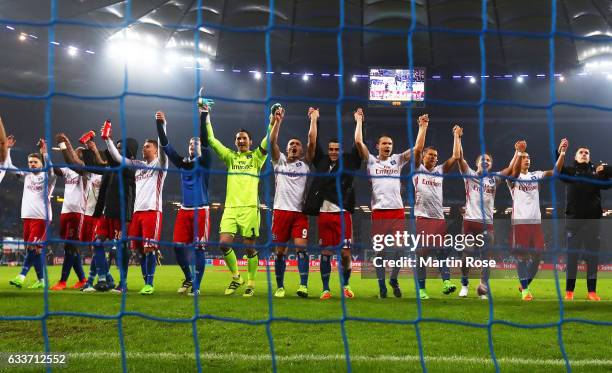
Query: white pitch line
[(337, 357)]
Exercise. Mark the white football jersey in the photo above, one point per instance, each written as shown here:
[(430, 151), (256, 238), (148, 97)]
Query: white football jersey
[(526, 198), (34, 205), (428, 192), (74, 192), (149, 185), (290, 184), (92, 191), (473, 210), (386, 192)]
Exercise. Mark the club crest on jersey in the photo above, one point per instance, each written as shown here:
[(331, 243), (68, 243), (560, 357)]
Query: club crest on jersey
[(534, 177), (393, 162), (298, 164), (249, 156)]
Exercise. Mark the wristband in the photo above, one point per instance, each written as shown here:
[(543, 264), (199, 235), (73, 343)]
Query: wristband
[(561, 153), (62, 146)]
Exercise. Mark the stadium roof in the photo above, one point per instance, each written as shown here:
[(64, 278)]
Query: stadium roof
[(446, 38)]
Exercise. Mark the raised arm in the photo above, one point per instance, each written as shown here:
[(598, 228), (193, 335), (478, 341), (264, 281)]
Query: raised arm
[(205, 158), (116, 155), (463, 165), (51, 171), (160, 120), (68, 153), (457, 133), (175, 158), (359, 144), (97, 158), (277, 119), (3, 143), (222, 151), (560, 160), (521, 147), (419, 144), (263, 146), (313, 115), (508, 171)]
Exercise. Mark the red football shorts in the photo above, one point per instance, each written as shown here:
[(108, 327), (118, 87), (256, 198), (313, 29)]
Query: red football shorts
[(34, 231), (184, 227), (108, 228), (70, 226), (330, 229), (88, 229), (476, 227), (388, 221), (288, 225), (435, 229), (527, 236), (146, 226)]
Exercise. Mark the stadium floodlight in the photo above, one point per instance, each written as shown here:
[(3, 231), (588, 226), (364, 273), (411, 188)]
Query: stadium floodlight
[(22, 37), (72, 51), (472, 80), (257, 75), (520, 79), (305, 77), (354, 79), (561, 78)]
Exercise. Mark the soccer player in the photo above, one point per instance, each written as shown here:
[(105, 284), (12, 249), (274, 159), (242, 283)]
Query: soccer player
[(81, 157), (428, 208), (583, 213), (71, 218), (334, 214), (147, 219), (386, 203), (241, 214), (194, 184), (35, 212), (108, 212), (526, 236), (288, 220), (480, 189)]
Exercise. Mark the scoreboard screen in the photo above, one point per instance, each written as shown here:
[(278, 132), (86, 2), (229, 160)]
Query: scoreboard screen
[(393, 86)]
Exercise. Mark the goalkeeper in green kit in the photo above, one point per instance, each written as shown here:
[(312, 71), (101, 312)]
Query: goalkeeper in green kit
[(241, 212)]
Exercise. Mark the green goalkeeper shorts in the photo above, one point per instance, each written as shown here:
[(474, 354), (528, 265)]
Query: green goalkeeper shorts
[(241, 220)]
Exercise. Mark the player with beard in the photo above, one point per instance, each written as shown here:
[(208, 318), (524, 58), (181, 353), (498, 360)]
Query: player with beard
[(388, 215), (35, 212), (428, 209), (335, 211), (583, 215), (145, 227), (288, 220)]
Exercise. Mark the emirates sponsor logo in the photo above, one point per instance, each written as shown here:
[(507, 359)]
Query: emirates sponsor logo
[(487, 189), (528, 187), (386, 171), (431, 182)]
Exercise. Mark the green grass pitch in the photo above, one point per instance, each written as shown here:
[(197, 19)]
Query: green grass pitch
[(154, 346)]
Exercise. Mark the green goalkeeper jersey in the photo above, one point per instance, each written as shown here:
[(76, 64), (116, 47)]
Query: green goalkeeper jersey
[(243, 171)]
